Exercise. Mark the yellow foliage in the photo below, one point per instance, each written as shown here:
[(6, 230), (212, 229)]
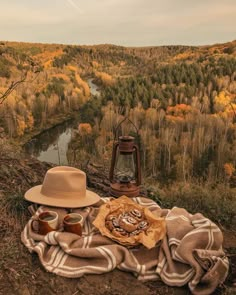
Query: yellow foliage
[(48, 55), (47, 64), (3, 89), (11, 100), (222, 101), (84, 85), (77, 90), (72, 68), (21, 125), (151, 117), (155, 103), (184, 55), (30, 121), (62, 76), (105, 78), (79, 79)]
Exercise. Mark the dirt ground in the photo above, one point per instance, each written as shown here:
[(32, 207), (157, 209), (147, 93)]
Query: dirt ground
[(22, 274)]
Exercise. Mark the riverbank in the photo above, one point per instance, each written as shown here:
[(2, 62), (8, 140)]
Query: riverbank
[(57, 120), (51, 123)]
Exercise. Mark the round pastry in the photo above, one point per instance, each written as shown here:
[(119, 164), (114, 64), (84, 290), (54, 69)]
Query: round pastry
[(119, 232), (110, 217), (143, 225), (136, 214), (123, 215), (109, 225), (128, 223), (113, 223), (135, 232)]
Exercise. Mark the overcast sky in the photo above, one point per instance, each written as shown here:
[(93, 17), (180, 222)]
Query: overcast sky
[(121, 22)]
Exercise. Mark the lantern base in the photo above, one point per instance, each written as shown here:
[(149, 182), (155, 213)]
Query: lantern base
[(128, 189)]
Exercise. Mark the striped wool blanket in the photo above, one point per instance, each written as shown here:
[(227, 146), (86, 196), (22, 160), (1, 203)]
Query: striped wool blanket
[(190, 253)]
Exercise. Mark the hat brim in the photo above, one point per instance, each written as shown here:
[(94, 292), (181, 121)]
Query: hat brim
[(34, 195)]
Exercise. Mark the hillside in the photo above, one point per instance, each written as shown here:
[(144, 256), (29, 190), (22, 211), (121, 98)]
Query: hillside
[(175, 73), (182, 100)]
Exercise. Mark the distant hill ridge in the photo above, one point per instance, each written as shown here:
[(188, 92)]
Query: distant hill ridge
[(61, 86)]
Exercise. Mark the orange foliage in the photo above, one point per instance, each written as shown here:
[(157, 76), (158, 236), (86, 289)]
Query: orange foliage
[(229, 169), (174, 119), (85, 129), (95, 64), (122, 63), (179, 110)]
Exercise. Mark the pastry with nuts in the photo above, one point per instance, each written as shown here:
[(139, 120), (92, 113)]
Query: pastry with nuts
[(143, 225), (119, 232), (128, 223), (137, 214)]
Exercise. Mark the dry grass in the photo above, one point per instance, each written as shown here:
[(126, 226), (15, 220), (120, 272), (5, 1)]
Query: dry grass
[(216, 202), (14, 209)]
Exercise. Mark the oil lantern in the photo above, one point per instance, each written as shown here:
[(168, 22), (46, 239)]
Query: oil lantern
[(125, 172)]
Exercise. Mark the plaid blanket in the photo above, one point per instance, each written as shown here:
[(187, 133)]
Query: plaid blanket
[(190, 253)]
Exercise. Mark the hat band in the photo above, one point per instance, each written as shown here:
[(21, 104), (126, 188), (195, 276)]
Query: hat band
[(62, 194)]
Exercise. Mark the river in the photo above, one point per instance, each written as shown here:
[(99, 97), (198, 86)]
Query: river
[(93, 87), (52, 144)]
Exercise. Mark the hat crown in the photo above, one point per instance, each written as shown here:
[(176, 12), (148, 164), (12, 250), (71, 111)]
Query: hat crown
[(63, 181), (63, 186)]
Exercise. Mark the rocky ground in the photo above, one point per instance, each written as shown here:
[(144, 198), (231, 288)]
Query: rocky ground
[(21, 271)]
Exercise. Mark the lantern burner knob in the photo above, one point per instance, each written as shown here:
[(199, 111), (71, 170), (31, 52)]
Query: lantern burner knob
[(125, 179)]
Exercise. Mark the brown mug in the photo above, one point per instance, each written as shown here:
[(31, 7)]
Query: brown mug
[(73, 223), (47, 221)]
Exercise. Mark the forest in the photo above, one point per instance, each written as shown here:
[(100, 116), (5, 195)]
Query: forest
[(185, 114), (182, 100)]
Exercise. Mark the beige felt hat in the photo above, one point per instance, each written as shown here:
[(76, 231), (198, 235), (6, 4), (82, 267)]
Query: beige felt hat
[(63, 186)]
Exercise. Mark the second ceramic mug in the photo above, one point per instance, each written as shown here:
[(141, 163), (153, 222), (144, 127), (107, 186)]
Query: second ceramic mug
[(73, 223), (47, 222)]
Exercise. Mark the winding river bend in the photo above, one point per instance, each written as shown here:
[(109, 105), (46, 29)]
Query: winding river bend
[(52, 144)]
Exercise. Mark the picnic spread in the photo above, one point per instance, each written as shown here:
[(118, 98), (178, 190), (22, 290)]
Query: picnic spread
[(153, 243)]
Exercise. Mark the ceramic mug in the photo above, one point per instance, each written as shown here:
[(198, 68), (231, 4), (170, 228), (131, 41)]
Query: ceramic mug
[(47, 221), (73, 223)]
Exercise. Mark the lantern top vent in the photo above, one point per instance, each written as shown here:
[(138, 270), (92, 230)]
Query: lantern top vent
[(126, 144), (126, 138)]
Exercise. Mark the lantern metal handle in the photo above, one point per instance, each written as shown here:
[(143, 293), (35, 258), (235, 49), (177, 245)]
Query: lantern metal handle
[(115, 146), (122, 121), (138, 164)]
